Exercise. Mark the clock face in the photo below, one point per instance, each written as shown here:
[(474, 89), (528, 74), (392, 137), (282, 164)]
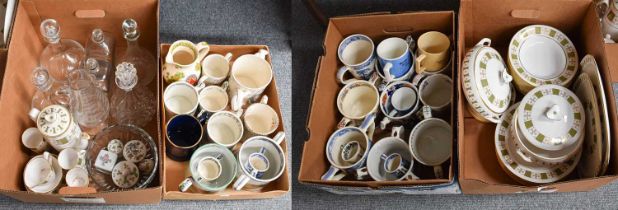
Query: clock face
[(54, 120)]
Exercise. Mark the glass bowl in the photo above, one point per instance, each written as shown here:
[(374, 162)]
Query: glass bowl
[(125, 133)]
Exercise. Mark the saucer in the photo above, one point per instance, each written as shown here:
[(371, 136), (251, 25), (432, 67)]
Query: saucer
[(49, 186)]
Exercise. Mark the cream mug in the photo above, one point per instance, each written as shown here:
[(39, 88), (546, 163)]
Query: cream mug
[(225, 128), (250, 76), (436, 91), (358, 99), (212, 99), (260, 118), (182, 62), (433, 52), (215, 69), (180, 98), (32, 139)]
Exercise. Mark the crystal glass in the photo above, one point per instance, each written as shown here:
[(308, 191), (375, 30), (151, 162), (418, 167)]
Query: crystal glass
[(100, 47), (48, 92), (142, 59), (89, 104), (131, 103), (125, 133), (60, 56)]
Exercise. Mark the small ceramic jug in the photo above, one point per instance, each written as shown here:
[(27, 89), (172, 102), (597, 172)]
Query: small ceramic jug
[(182, 62)]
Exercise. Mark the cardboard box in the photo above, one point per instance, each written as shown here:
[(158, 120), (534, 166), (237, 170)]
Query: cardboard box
[(324, 115), (479, 169), (76, 22), (174, 171)]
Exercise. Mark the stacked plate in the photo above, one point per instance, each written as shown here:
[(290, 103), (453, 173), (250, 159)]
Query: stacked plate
[(540, 55), (486, 82)]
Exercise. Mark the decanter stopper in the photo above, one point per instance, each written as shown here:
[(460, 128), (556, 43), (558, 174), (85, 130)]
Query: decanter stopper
[(129, 26), (41, 79), (92, 65), (126, 76), (97, 35), (50, 30)]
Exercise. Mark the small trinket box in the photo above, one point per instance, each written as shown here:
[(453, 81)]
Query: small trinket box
[(105, 161)]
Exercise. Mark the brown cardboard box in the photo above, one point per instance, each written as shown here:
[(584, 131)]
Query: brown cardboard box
[(324, 115), (17, 90), (479, 169), (174, 171)]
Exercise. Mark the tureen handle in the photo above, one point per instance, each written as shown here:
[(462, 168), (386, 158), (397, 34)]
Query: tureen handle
[(484, 42), (506, 77), (554, 113)]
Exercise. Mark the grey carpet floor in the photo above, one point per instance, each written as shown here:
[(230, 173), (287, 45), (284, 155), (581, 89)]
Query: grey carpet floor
[(221, 22), (307, 39)]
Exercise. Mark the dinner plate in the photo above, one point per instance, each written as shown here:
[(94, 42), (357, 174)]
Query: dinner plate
[(589, 67), (592, 157)]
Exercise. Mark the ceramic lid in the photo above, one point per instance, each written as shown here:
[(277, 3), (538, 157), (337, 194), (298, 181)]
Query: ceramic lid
[(486, 81), (54, 120), (589, 67), (551, 117), (541, 54), (516, 166), (592, 158)]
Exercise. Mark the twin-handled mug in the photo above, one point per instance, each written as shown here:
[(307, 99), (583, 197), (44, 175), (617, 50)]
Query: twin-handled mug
[(42, 173), (212, 168), (260, 118), (182, 62), (183, 134), (215, 69), (262, 161), (433, 52), (212, 99), (390, 158), (347, 150), (436, 91), (225, 128), (431, 142), (180, 98), (396, 59), (250, 76), (356, 52), (398, 102)]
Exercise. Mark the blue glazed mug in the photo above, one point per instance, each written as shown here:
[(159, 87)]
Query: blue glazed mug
[(395, 58), (183, 134), (356, 52)]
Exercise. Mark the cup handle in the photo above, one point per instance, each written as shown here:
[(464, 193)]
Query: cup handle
[(225, 85), (203, 116), (264, 99), (262, 53), (411, 42), (419, 59), (238, 99), (411, 176), (239, 112), (279, 137), (397, 132), (340, 75), (332, 174), (185, 184), (387, 72), (344, 122), (484, 42), (361, 173), (437, 170), (367, 122), (202, 50), (385, 121), (34, 114), (169, 59), (426, 112), (228, 56), (241, 182)]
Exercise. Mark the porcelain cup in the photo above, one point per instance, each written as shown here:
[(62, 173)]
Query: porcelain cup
[(358, 99), (215, 69), (431, 142), (32, 139), (180, 98), (433, 52), (436, 91), (250, 76), (390, 159), (225, 128), (262, 160), (212, 168), (395, 59), (212, 99), (42, 173), (260, 118), (356, 52), (68, 158), (399, 101), (77, 177), (183, 134), (182, 62)]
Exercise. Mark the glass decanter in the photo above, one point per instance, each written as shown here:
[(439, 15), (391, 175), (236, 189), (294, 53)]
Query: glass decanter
[(99, 73), (131, 103), (141, 58), (60, 56), (49, 92), (89, 104), (100, 47)]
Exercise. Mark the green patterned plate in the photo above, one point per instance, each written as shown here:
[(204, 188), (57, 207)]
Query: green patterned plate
[(592, 158)]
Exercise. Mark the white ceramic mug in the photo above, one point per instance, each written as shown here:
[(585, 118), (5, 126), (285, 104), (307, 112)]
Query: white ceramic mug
[(398, 102), (356, 52), (32, 139), (436, 91), (270, 149), (180, 98), (431, 142), (250, 76), (182, 62), (68, 158), (215, 69), (225, 128), (390, 158), (433, 52), (212, 168), (260, 118), (77, 177), (211, 100), (358, 99)]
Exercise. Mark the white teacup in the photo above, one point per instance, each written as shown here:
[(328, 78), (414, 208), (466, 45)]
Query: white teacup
[(358, 99), (399, 101), (32, 139), (390, 158), (260, 118), (42, 173), (250, 76), (77, 177), (212, 168), (267, 171), (436, 91), (225, 128), (211, 100), (431, 142), (215, 69), (180, 98), (68, 158)]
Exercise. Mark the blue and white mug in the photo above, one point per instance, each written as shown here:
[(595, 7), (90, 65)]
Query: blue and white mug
[(262, 150), (390, 159), (347, 150), (398, 102), (396, 59), (258, 163), (356, 52)]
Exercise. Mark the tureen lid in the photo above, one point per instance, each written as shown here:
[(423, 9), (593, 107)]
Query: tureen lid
[(541, 54), (551, 117), (54, 120), (486, 81)]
